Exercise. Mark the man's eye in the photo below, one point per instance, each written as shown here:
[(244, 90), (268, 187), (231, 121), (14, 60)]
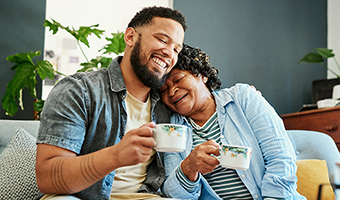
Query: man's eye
[(162, 40), (177, 50)]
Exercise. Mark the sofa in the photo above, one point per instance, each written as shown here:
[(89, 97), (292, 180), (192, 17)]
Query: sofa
[(316, 152)]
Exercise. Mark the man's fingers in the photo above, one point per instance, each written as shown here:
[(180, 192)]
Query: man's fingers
[(150, 125)]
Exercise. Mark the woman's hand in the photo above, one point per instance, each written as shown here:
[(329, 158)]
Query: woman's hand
[(201, 160)]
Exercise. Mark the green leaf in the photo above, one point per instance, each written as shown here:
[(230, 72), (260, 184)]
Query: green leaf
[(24, 77), (38, 106), (9, 104), (80, 35), (312, 58), (45, 69), (95, 64), (105, 62), (84, 32), (22, 57), (326, 53), (116, 45), (53, 26), (89, 66)]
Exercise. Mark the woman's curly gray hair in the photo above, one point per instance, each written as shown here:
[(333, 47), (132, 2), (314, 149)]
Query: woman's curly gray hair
[(197, 62)]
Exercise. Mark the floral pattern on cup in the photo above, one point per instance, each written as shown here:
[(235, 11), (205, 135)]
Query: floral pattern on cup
[(236, 151), (173, 129)]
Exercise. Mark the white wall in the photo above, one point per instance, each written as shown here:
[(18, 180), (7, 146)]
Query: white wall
[(111, 15), (333, 35)]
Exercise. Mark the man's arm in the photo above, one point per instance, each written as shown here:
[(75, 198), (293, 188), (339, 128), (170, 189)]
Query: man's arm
[(60, 171)]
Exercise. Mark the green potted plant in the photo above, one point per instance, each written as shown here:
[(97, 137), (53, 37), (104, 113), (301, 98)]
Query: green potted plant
[(320, 57), (27, 71)]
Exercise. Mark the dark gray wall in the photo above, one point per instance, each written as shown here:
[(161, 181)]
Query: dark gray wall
[(260, 42), (22, 30), (256, 42)]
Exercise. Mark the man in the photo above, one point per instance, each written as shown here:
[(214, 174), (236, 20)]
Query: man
[(95, 134)]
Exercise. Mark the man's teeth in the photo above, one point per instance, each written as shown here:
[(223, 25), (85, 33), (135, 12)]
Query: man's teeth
[(160, 62)]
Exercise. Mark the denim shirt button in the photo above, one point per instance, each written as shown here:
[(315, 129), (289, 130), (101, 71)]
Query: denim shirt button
[(222, 136), (256, 196), (243, 176)]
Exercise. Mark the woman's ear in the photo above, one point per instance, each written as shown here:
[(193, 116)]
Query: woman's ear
[(129, 36)]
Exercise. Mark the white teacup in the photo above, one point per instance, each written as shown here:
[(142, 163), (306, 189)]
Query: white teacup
[(235, 157), (170, 137)]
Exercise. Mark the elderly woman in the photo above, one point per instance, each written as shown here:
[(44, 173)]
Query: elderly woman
[(238, 115)]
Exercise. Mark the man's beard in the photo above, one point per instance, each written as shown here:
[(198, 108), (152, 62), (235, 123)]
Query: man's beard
[(147, 77)]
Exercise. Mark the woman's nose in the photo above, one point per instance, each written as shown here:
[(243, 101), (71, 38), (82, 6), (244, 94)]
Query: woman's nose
[(172, 90)]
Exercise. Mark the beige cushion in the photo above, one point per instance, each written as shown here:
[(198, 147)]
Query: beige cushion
[(312, 173)]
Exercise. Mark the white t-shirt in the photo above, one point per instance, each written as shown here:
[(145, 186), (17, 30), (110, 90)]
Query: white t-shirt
[(130, 178)]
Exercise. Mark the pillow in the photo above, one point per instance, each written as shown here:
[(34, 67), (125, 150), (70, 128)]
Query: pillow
[(17, 167), (310, 174)]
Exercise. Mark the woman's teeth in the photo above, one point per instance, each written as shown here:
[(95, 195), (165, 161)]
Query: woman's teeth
[(159, 62)]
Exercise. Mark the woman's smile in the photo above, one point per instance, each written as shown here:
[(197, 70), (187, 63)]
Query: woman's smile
[(179, 98)]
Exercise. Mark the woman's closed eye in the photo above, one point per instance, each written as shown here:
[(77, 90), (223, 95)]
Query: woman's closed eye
[(162, 90), (177, 78)]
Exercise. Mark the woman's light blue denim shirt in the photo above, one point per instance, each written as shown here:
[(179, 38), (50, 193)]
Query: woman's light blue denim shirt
[(245, 119), (85, 112)]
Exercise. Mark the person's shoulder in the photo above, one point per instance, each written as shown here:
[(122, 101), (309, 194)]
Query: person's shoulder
[(237, 88)]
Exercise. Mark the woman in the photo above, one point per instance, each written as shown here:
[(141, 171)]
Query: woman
[(238, 115)]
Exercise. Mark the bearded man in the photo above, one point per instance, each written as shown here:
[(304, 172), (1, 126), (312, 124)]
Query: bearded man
[(95, 138)]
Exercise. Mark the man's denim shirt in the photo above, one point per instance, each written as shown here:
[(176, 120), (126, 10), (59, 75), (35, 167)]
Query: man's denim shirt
[(85, 112)]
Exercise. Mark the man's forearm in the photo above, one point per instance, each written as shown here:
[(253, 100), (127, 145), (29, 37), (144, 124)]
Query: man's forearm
[(67, 175), (60, 182)]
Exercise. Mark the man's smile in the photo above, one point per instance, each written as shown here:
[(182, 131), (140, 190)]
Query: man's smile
[(162, 64)]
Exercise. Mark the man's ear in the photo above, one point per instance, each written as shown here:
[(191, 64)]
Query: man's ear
[(129, 36)]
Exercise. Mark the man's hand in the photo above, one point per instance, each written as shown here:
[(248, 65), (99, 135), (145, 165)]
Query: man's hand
[(200, 160), (136, 146), (60, 171)]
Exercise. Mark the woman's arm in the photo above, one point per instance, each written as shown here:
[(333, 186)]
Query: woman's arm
[(277, 151)]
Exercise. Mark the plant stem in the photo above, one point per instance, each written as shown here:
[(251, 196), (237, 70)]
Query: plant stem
[(60, 73), (81, 49), (330, 70), (337, 63)]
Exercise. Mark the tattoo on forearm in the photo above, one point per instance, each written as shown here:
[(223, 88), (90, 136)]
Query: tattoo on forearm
[(57, 178), (88, 169)]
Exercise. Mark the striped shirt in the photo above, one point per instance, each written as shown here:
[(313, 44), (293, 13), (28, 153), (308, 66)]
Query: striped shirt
[(225, 182)]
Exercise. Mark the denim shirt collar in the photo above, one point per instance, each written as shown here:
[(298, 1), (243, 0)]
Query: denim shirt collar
[(115, 75), (222, 99)]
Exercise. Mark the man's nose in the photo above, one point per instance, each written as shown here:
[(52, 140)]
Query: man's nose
[(169, 51)]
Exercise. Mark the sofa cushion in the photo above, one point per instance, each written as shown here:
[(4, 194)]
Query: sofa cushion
[(312, 173), (17, 167)]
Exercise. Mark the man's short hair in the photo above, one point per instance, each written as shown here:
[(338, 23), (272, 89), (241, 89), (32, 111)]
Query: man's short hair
[(145, 16)]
